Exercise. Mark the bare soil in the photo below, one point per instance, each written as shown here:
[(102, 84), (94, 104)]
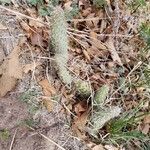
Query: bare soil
[(12, 115)]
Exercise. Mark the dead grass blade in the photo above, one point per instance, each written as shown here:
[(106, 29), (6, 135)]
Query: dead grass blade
[(23, 15), (112, 49), (13, 138)]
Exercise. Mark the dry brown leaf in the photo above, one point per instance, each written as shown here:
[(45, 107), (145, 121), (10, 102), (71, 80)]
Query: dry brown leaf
[(36, 24), (48, 89), (78, 133), (35, 34), (103, 25), (10, 71), (86, 12), (81, 121), (36, 39), (32, 12), (90, 23), (95, 42), (2, 27), (146, 129), (86, 55), (7, 83), (79, 125), (13, 65), (114, 54), (99, 45), (78, 50), (96, 23), (147, 119), (30, 67), (140, 89), (93, 35), (94, 52), (48, 104), (98, 147), (25, 26), (80, 108)]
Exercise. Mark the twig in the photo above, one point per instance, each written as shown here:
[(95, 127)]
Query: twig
[(48, 139), (49, 98), (78, 41), (88, 19), (23, 15), (40, 57), (13, 138), (71, 34), (107, 35), (68, 110), (76, 30), (98, 18)]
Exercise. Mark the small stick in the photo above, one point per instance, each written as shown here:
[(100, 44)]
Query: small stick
[(48, 139), (69, 110), (23, 15), (13, 138), (51, 141), (89, 19)]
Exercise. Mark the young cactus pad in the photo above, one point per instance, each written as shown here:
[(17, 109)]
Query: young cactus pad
[(101, 95), (83, 88)]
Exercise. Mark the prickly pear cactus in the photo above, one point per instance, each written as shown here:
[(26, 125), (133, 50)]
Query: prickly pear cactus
[(59, 42), (62, 70), (83, 88), (101, 95), (102, 116)]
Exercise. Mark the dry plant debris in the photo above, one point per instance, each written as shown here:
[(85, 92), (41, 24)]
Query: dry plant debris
[(10, 71), (100, 48), (48, 91)]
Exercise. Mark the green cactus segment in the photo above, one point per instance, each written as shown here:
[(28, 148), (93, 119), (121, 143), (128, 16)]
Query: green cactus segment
[(83, 88), (62, 70), (101, 95), (59, 42), (103, 116), (59, 37)]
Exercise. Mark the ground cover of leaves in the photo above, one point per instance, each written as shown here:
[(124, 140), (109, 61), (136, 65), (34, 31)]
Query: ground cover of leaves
[(109, 43)]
